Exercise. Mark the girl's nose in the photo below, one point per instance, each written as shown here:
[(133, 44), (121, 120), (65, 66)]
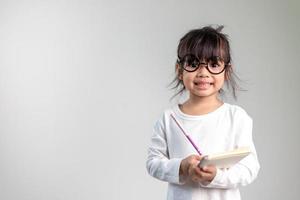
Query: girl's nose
[(202, 71)]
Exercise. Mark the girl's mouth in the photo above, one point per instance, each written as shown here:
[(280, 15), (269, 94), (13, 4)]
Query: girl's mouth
[(203, 85)]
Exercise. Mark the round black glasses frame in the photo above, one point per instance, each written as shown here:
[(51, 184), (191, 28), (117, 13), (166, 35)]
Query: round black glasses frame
[(194, 63)]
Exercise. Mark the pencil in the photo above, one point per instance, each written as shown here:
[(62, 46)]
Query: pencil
[(187, 136)]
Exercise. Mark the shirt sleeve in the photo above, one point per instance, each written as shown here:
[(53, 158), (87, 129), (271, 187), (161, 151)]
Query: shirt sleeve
[(158, 163), (244, 172)]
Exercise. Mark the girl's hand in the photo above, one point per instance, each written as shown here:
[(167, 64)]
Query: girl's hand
[(189, 170), (187, 165), (205, 174)]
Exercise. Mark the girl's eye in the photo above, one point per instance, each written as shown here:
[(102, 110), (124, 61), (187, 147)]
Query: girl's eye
[(191, 63), (215, 65), (194, 64)]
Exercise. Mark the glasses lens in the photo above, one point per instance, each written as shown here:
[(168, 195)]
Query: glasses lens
[(190, 63), (216, 65)]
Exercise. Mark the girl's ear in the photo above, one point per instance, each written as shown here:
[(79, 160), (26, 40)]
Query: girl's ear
[(178, 72)]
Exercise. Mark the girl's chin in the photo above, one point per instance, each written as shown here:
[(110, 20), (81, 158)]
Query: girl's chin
[(204, 93)]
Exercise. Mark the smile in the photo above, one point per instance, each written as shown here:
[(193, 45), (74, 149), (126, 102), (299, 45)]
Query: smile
[(203, 85)]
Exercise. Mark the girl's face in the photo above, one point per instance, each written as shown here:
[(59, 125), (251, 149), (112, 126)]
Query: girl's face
[(201, 83)]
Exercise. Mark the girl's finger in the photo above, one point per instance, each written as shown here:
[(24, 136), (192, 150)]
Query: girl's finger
[(208, 169), (206, 176), (198, 171), (201, 173)]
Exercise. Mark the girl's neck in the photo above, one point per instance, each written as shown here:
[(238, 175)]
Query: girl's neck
[(200, 106)]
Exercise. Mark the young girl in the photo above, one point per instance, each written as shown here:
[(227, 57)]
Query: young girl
[(203, 66)]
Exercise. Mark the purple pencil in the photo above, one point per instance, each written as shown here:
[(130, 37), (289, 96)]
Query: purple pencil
[(187, 136)]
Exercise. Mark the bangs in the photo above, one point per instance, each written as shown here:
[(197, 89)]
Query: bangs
[(204, 45)]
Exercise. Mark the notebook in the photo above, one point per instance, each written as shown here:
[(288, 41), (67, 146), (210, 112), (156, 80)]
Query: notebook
[(225, 159)]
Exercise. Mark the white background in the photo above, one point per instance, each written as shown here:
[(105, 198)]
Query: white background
[(82, 83)]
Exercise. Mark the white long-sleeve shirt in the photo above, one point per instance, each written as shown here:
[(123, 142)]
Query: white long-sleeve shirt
[(226, 128)]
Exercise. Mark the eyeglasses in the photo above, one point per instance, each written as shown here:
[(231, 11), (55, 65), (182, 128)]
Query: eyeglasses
[(191, 63)]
